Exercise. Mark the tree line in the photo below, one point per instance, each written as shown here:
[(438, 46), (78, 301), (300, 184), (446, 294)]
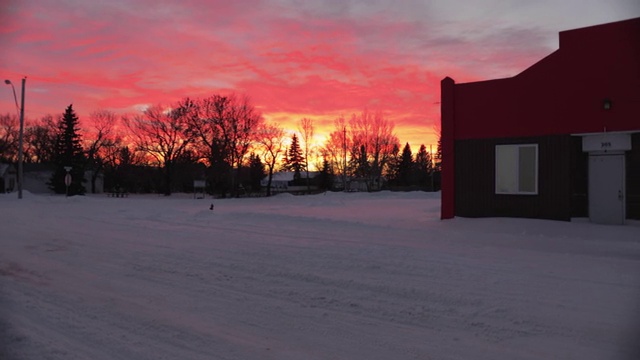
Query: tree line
[(222, 139)]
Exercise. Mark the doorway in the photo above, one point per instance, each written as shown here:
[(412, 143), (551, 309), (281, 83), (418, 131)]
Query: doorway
[(607, 188)]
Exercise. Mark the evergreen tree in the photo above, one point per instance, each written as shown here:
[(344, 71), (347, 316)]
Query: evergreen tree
[(326, 175), (256, 172), (424, 167), (405, 167), (394, 162), (437, 165), (68, 152), (361, 162), (294, 160)]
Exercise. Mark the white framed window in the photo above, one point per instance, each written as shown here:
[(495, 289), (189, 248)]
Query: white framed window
[(517, 169)]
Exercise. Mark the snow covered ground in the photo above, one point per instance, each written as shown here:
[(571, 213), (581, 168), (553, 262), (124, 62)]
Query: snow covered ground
[(335, 276)]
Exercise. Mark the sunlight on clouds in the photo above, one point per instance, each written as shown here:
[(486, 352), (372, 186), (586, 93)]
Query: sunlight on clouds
[(293, 58), (141, 107), (415, 132)]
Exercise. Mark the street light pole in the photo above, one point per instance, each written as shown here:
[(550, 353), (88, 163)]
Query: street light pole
[(20, 150), (21, 136)]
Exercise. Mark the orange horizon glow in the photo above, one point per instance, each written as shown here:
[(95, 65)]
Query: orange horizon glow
[(293, 59)]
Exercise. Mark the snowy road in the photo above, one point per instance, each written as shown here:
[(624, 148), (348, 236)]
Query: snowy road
[(337, 276)]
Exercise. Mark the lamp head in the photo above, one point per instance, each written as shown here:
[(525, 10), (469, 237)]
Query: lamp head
[(8, 82)]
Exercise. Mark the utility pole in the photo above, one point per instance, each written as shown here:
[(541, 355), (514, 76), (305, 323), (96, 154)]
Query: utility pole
[(21, 136), (344, 156)]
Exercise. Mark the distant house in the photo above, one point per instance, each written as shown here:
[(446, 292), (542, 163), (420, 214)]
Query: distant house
[(358, 184), (8, 178), (282, 181), (36, 177), (279, 181), (559, 140), (99, 189)]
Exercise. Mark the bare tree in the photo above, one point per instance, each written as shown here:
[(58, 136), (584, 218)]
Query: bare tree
[(98, 139), (160, 133), (201, 125), (119, 165), (226, 127), (203, 116), (240, 130), (40, 140), (335, 149), (272, 139), (110, 153), (8, 137), (374, 140), (306, 129)]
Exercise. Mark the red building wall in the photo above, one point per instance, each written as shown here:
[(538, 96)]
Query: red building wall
[(561, 94), (564, 92)]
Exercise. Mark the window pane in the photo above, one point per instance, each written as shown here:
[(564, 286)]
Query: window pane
[(527, 169), (506, 169)]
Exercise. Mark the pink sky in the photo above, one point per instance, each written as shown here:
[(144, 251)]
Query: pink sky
[(316, 59)]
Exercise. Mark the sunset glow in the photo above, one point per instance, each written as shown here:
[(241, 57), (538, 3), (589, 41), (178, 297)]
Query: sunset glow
[(319, 60)]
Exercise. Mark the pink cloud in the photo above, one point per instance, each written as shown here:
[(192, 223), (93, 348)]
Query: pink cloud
[(290, 57)]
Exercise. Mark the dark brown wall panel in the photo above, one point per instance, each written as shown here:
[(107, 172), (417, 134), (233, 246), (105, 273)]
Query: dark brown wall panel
[(475, 180)]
